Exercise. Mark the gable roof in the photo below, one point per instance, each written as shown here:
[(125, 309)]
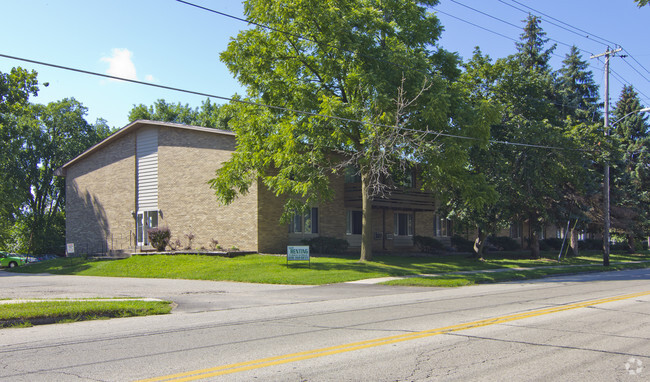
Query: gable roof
[(131, 127)]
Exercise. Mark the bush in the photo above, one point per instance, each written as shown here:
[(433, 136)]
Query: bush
[(325, 244), (461, 244), (159, 237), (427, 244), (553, 243), (504, 243), (590, 244)]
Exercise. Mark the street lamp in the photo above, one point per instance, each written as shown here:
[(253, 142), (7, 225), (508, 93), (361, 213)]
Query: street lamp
[(607, 220)]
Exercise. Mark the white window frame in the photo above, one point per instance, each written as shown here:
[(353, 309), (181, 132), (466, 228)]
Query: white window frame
[(442, 226), (349, 225), (398, 216), (145, 220), (306, 223)]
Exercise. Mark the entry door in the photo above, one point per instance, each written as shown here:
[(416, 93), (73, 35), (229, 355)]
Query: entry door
[(146, 221)]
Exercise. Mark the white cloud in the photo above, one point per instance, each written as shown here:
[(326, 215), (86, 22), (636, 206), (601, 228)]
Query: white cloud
[(150, 78), (120, 64)]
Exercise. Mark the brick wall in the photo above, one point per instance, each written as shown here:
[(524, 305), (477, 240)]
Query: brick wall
[(187, 160), (100, 195)]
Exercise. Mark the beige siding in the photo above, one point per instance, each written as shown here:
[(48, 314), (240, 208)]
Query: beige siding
[(147, 162)]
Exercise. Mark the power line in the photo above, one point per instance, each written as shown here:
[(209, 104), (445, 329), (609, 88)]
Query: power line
[(514, 25), (618, 76), (280, 108), (375, 58), (633, 68), (638, 63), (476, 25), (587, 36), (300, 37)]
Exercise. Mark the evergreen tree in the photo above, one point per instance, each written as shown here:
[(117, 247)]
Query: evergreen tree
[(530, 50), (631, 175), (635, 125), (576, 90)]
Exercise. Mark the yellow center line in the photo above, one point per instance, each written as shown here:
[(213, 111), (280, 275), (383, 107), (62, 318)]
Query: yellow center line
[(316, 353)]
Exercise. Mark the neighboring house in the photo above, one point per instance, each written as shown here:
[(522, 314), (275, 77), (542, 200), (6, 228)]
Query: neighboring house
[(155, 174)]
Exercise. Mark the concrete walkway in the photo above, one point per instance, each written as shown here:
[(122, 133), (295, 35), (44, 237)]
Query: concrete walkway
[(379, 280)]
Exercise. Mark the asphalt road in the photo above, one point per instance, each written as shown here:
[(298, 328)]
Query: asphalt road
[(593, 327)]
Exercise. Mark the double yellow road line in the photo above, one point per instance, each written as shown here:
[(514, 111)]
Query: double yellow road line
[(316, 353)]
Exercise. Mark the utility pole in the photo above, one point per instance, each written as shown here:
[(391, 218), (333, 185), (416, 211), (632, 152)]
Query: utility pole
[(606, 218)]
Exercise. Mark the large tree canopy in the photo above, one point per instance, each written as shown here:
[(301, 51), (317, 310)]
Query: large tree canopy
[(208, 115), (36, 140), (375, 66)]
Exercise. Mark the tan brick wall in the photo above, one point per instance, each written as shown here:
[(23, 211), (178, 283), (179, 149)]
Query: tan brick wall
[(187, 160), (100, 195), (273, 236)]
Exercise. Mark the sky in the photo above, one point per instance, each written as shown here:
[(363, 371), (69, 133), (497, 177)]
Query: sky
[(168, 43)]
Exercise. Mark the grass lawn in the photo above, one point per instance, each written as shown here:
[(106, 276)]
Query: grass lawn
[(26, 314), (324, 270)]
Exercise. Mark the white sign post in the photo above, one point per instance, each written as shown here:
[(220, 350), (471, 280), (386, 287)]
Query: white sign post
[(69, 249), (298, 253)]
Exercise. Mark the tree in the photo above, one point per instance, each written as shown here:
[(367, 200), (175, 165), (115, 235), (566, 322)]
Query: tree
[(15, 89), (577, 100), (46, 138), (641, 2), (375, 66), (631, 175), (529, 180), (530, 49), (577, 91), (208, 115)]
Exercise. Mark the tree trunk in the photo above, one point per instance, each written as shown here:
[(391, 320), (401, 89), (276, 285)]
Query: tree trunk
[(534, 245), (366, 222), (631, 245), (574, 242), (479, 244)]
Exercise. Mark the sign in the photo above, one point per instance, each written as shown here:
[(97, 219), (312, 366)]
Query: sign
[(69, 248), (298, 253)]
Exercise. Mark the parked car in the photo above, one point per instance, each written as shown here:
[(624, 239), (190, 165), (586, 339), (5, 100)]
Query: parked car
[(10, 260)]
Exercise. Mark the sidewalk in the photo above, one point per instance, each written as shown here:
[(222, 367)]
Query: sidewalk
[(379, 280)]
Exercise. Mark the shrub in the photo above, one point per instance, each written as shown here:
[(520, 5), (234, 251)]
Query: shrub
[(461, 244), (190, 237), (504, 243), (159, 237), (427, 244), (590, 244), (553, 243), (325, 244)]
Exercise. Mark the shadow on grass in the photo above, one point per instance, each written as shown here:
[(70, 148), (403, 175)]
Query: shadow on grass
[(60, 266)]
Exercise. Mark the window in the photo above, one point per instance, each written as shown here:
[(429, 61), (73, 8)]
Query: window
[(441, 226), (145, 221), (515, 231), (354, 222), (352, 175), (403, 224), (304, 223)]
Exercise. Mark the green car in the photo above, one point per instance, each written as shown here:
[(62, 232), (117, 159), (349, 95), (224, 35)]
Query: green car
[(11, 261)]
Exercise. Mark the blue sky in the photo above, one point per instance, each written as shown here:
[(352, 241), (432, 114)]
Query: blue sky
[(169, 43)]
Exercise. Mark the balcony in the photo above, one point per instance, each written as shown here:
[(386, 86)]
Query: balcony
[(397, 199)]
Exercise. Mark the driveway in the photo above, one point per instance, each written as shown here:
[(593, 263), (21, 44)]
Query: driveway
[(190, 295)]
